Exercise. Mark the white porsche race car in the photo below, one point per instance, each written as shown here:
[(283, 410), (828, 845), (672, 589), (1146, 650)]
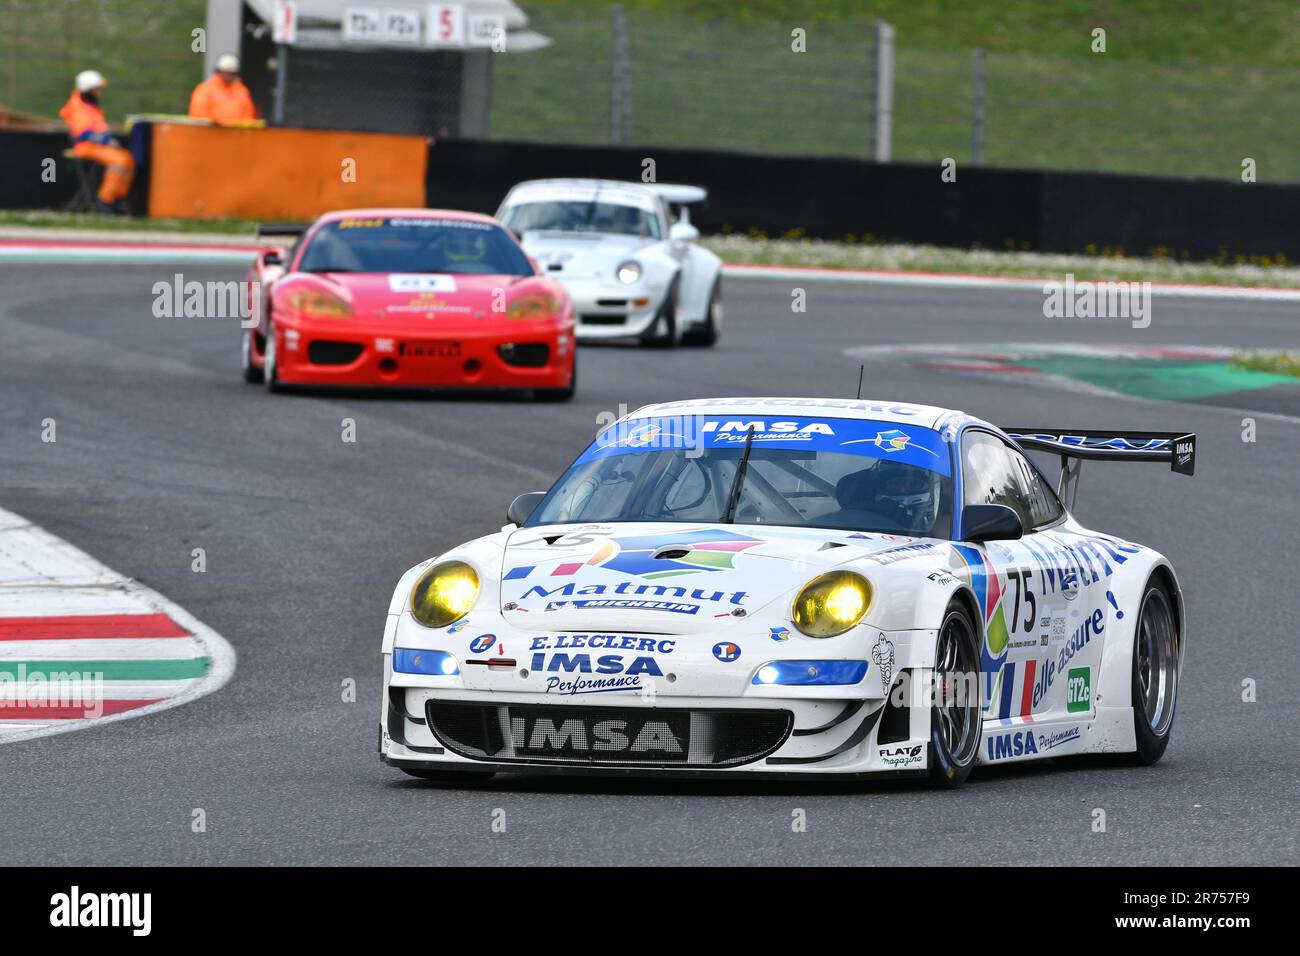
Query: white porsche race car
[(630, 266), (791, 586)]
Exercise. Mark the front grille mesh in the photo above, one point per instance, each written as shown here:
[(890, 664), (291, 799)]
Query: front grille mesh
[(607, 736), (525, 354), (326, 352)]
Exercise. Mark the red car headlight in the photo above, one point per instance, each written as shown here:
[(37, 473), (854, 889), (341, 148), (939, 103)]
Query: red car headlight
[(318, 303), (534, 305)]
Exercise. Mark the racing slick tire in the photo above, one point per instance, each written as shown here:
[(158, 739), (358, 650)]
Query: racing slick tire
[(252, 374), (955, 717), (663, 332), (450, 776), (270, 374), (702, 336), (559, 394), (1157, 653)]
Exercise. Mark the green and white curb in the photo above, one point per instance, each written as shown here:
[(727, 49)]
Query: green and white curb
[(82, 645), (1178, 373)]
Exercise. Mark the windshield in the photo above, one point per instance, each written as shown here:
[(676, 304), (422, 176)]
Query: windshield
[(836, 473), (583, 216), (411, 244)]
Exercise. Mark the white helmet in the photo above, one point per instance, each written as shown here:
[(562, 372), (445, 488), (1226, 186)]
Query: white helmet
[(227, 63), (912, 490), (88, 80)]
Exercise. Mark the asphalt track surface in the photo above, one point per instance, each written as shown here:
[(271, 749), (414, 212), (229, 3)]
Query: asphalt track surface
[(161, 449)]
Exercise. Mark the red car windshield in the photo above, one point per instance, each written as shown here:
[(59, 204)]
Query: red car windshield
[(411, 244)]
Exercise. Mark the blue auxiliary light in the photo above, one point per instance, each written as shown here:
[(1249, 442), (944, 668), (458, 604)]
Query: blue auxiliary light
[(811, 673), (413, 660)]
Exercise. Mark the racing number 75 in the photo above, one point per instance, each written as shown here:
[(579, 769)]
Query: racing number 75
[(1021, 577)]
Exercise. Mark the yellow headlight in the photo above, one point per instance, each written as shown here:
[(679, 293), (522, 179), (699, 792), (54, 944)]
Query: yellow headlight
[(444, 594), (317, 302), (534, 305), (831, 604)]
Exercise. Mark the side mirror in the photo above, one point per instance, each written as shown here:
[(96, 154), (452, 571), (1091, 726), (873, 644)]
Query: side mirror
[(682, 231), (522, 508), (990, 523), (273, 259)]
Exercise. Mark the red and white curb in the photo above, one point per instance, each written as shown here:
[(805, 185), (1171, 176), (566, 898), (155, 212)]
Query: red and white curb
[(996, 356), (242, 251), (38, 250), (82, 645)]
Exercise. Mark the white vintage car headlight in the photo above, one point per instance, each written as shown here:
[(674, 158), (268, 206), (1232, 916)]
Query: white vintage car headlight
[(629, 272), (831, 603), (444, 594)]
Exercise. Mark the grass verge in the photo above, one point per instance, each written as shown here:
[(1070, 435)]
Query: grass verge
[(1280, 363), (842, 255), (817, 253), (91, 221)]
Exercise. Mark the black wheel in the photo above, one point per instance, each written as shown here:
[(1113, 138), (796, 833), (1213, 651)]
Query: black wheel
[(955, 718), (663, 330), (470, 777), (559, 394), (1157, 654), (252, 374), (707, 334), (270, 374)]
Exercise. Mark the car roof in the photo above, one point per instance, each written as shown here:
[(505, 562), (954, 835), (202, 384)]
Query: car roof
[(406, 212), (927, 416)]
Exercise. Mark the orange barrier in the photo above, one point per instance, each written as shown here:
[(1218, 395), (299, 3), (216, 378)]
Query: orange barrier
[(215, 172)]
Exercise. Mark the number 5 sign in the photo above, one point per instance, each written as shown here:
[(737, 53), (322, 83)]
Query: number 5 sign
[(284, 28), (446, 26)]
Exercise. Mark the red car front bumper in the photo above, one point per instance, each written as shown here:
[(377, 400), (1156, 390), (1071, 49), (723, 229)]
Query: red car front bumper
[(333, 353)]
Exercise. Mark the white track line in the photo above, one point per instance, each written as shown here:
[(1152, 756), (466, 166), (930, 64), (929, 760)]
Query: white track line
[(44, 576), (961, 281)]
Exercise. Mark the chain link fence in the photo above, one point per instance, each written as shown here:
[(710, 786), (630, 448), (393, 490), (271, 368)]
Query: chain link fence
[(1097, 113), (658, 79), (741, 86), (144, 47)]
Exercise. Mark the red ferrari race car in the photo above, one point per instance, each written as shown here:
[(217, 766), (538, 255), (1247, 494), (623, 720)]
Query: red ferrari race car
[(409, 298)]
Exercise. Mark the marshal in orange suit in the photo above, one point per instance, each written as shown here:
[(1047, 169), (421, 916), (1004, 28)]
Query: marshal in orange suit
[(92, 140), (223, 97)]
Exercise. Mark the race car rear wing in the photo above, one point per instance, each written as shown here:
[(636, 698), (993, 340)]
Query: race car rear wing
[(1079, 445), (678, 194)]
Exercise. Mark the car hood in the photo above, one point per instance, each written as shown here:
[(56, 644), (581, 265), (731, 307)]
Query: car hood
[(672, 578), (581, 255), (394, 296)]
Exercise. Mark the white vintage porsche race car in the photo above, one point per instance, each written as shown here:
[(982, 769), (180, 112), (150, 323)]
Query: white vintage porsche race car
[(630, 266), (791, 586)]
